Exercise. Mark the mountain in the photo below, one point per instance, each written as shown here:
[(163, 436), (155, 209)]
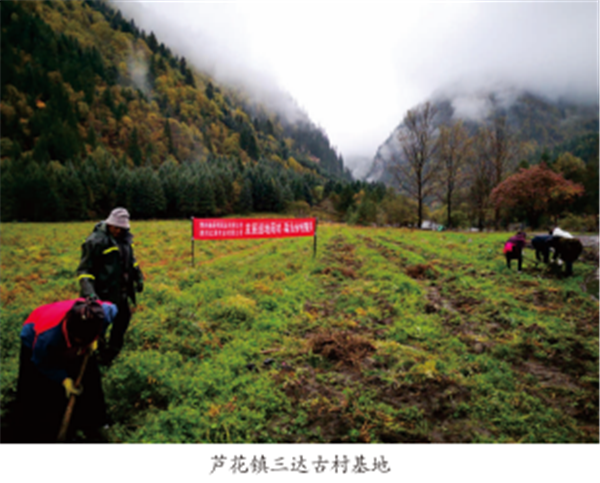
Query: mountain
[(93, 109), (543, 125)]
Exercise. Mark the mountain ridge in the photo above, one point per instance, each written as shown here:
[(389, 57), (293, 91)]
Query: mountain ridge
[(540, 122)]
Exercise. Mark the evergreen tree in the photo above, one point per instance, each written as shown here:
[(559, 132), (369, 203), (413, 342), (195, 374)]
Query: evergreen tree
[(287, 197), (308, 197), (73, 193), (186, 194), (205, 196), (8, 203), (210, 91), (40, 151), (98, 174), (108, 100), (134, 151), (245, 202), (34, 198), (167, 133), (189, 78), (218, 194), (91, 137), (152, 42), (63, 141), (147, 199), (123, 188), (169, 177), (248, 142), (69, 191)]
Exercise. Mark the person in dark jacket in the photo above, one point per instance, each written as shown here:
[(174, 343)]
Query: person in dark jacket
[(54, 341), (108, 270), (568, 249), (513, 249), (541, 245)]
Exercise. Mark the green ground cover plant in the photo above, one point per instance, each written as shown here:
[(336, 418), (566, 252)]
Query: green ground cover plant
[(385, 336)]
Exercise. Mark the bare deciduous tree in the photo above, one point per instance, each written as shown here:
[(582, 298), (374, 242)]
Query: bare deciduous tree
[(480, 180), (415, 170), (454, 148), (500, 149)]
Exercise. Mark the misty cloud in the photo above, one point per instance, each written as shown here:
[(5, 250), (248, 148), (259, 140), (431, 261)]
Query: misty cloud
[(138, 71), (474, 102), (213, 38), (471, 108), (548, 48), (356, 70)]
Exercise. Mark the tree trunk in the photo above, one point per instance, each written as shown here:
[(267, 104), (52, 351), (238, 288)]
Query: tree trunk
[(449, 220), (496, 219)]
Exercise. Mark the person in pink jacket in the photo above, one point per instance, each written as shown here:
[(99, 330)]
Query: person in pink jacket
[(513, 249)]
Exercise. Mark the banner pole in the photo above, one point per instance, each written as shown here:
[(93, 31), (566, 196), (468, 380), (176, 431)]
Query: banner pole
[(192, 220), (315, 237)]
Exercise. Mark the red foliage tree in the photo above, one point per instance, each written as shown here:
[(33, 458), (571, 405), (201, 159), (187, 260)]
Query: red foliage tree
[(536, 191)]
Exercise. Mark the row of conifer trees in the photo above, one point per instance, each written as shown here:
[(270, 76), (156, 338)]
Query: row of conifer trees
[(219, 186)]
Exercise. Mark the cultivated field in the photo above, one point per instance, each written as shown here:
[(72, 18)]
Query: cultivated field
[(387, 335)]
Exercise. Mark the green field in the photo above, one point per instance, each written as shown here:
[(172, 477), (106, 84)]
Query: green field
[(387, 335)]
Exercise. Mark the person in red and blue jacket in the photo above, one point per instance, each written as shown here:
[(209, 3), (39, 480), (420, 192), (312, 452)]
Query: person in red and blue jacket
[(54, 341)]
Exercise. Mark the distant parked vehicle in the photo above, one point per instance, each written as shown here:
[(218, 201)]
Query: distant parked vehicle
[(431, 225)]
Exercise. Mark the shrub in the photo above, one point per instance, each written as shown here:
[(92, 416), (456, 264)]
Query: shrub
[(235, 309), (299, 208), (397, 210), (140, 380), (580, 223)]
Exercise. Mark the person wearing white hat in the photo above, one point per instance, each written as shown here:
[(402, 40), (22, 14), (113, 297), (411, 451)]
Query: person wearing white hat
[(566, 247), (108, 270), (561, 233)]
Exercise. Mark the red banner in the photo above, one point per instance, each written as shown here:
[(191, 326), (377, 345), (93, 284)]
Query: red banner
[(222, 229)]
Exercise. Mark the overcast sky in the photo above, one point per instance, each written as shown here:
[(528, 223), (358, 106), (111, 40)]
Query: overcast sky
[(357, 67)]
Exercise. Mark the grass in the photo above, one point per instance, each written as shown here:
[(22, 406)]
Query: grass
[(386, 336)]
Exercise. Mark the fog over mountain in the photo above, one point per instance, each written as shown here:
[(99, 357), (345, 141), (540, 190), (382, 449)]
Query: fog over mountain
[(540, 121), (356, 70), (211, 38)]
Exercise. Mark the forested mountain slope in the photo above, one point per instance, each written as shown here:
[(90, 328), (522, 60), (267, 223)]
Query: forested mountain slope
[(543, 126), (97, 112)]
